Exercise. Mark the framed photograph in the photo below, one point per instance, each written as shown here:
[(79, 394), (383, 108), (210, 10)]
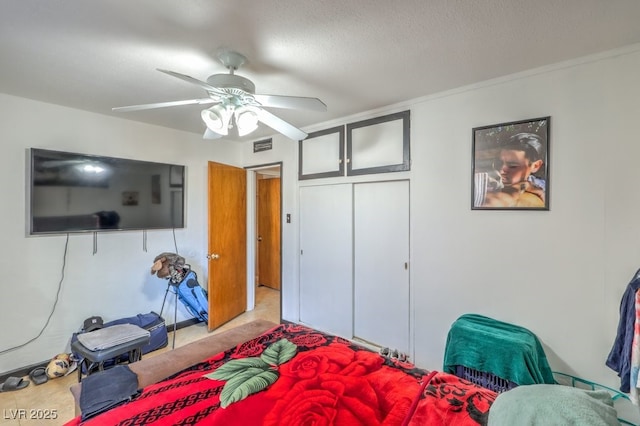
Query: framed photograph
[(176, 176), (510, 166), (130, 198), (156, 193)]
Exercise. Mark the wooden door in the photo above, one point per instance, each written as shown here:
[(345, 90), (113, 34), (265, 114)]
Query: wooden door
[(227, 284), (268, 213)]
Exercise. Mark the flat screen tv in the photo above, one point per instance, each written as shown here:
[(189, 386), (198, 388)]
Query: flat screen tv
[(72, 192)]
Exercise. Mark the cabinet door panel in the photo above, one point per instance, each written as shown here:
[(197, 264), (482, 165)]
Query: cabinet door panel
[(326, 286), (381, 256)]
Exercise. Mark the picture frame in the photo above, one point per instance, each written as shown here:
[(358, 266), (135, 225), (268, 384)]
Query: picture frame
[(130, 198), (156, 193), (176, 178), (510, 165)]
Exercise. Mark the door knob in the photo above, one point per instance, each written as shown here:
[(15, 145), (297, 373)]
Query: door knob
[(259, 238), (213, 256)]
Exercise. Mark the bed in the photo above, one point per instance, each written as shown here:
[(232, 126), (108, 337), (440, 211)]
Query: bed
[(326, 380), (295, 375)]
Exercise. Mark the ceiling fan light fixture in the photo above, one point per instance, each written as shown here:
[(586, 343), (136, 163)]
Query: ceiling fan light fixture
[(217, 119), (236, 103), (246, 120)]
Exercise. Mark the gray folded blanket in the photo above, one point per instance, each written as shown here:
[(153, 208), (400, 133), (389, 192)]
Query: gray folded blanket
[(109, 337)]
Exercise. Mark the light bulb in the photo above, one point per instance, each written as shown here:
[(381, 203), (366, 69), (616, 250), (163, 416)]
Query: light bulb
[(246, 120), (217, 119)]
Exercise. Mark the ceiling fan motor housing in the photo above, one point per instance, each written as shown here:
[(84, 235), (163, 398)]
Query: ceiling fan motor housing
[(232, 81)]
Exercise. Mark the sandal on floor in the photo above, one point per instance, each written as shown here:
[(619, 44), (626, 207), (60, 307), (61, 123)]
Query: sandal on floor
[(39, 376), (14, 383)]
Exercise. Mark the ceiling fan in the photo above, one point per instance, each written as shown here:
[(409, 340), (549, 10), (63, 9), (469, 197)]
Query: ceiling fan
[(236, 103)]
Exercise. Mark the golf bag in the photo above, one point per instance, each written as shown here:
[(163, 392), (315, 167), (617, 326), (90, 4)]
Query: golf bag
[(193, 296)]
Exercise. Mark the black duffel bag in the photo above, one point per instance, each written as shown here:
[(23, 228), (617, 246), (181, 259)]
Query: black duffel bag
[(152, 322)]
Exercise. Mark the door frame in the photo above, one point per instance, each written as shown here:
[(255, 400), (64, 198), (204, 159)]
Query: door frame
[(252, 234)]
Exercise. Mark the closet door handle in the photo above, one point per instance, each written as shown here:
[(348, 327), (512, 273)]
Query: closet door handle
[(213, 256)]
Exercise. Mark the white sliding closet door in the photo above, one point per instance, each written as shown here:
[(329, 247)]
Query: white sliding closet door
[(381, 258), (326, 278)]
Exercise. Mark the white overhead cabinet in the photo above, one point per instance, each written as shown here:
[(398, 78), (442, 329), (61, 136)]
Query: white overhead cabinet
[(375, 145), (354, 261)]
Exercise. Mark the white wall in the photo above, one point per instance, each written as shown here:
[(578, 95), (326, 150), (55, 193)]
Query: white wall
[(115, 282), (559, 273)]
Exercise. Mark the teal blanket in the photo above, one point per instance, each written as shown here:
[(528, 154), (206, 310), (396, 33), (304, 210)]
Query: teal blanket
[(508, 351)]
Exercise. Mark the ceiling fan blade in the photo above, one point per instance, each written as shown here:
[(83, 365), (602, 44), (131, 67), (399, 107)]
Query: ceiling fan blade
[(163, 104), (208, 134), (291, 102), (206, 86), (280, 125)]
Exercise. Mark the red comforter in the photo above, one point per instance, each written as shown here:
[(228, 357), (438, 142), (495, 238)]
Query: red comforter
[(329, 381)]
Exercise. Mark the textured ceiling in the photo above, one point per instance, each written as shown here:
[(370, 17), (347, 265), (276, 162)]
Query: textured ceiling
[(354, 55)]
